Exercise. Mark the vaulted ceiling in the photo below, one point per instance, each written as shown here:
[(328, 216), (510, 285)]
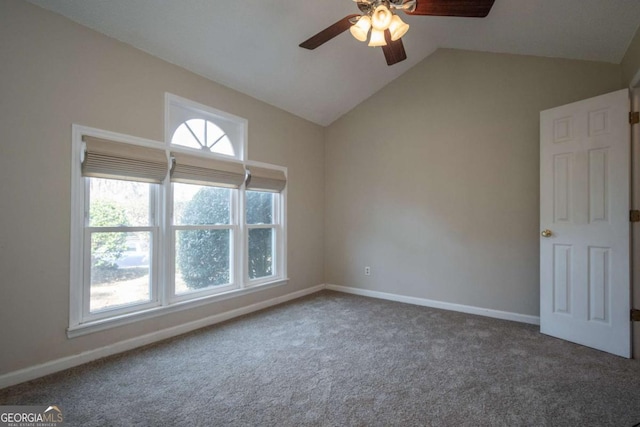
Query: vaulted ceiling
[(252, 45)]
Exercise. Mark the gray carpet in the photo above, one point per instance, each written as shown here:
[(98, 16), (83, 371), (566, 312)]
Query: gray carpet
[(333, 359)]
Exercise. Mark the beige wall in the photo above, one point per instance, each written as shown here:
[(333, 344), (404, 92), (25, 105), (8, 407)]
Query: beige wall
[(54, 73), (631, 61), (434, 180)]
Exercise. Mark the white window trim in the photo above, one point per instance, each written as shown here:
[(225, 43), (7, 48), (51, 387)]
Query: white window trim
[(171, 99), (87, 315), (126, 319), (78, 290), (165, 301), (280, 219)]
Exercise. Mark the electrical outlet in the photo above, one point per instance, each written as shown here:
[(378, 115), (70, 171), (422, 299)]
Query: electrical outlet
[(367, 271)]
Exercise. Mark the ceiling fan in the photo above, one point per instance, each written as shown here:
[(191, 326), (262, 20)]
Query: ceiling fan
[(386, 26)]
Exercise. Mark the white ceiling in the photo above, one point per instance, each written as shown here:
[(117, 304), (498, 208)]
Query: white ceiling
[(252, 45)]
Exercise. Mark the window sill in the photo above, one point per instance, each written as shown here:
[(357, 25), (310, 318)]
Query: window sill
[(125, 319)]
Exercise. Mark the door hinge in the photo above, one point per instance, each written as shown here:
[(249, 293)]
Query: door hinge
[(635, 315), (634, 215), (634, 117)]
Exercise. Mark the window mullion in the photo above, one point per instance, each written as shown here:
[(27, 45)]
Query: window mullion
[(86, 275), (240, 261), (87, 201), (120, 229), (85, 286), (206, 138), (255, 226), (277, 236), (153, 211), (168, 283), (282, 235), (204, 227), (155, 215)]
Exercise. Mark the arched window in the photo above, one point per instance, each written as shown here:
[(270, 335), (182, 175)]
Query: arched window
[(204, 135), (221, 218), (199, 127)]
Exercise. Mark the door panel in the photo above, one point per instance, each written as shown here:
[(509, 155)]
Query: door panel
[(584, 201), (598, 177), (562, 279), (599, 284), (561, 187)]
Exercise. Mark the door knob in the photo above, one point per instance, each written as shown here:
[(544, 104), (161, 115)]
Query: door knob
[(546, 233)]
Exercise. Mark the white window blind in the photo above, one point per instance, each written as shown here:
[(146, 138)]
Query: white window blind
[(115, 160), (190, 169), (263, 179)]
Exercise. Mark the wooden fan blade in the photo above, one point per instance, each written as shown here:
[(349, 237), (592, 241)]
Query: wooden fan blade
[(328, 33), (394, 50), (464, 8)]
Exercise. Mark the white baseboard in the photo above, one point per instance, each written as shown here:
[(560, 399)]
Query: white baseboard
[(504, 315), (57, 365)]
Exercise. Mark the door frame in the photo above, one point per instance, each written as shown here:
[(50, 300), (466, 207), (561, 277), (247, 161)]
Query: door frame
[(613, 333), (634, 93)]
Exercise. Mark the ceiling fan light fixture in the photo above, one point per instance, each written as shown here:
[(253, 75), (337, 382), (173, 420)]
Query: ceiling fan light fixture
[(377, 38), (360, 29), (376, 17), (398, 28), (381, 18)]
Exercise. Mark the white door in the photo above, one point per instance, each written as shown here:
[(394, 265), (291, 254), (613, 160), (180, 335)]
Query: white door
[(584, 223)]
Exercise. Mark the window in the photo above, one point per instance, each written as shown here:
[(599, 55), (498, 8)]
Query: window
[(204, 225), (264, 222), (163, 227), (261, 235), (120, 234), (203, 135), (202, 233), (199, 127)]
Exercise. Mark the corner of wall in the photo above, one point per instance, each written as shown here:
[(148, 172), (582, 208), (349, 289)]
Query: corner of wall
[(631, 61)]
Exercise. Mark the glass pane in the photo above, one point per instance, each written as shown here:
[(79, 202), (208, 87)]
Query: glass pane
[(115, 203), (203, 135), (120, 269), (202, 259), (201, 205), (223, 147), (214, 133), (197, 127), (183, 136), (217, 141), (260, 252), (259, 207)]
